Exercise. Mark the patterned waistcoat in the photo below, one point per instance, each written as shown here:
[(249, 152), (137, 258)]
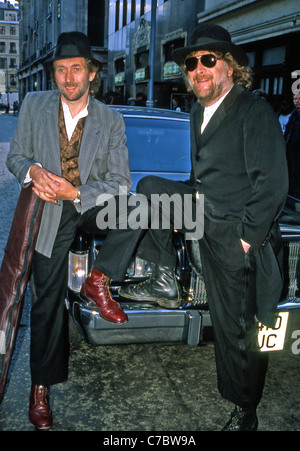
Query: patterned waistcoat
[(69, 150)]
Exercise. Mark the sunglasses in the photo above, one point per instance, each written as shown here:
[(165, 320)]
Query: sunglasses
[(207, 60)]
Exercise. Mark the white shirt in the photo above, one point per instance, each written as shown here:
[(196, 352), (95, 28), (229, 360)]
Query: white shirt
[(70, 123), (209, 111)]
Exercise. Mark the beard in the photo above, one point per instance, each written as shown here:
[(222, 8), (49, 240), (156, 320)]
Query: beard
[(76, 94), (208, 92)]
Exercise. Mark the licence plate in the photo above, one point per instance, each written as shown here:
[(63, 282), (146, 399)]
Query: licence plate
[(273, 339)]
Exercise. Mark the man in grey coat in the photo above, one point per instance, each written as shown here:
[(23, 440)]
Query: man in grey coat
[(239, 165), (72, 149)]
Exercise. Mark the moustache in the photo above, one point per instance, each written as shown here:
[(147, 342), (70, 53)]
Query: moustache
[(202, 78)]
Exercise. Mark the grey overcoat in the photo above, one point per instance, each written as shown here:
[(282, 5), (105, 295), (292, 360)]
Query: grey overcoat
[(103, 159)]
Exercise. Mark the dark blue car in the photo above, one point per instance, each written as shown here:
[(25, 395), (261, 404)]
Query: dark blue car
[(159, 143)]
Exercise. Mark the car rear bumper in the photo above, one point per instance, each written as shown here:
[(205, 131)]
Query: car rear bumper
[(147, 323)]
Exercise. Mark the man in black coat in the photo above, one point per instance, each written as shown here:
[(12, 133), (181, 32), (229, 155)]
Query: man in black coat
[(239, 165)]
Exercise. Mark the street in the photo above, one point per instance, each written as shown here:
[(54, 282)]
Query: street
[(136, 387)]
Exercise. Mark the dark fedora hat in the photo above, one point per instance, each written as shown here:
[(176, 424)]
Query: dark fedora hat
[(72, 44), (213, 38)]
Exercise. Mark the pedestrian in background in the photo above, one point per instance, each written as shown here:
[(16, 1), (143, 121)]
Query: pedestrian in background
[(292, 139)]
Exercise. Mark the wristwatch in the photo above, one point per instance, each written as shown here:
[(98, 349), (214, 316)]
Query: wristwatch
[(77, 199)]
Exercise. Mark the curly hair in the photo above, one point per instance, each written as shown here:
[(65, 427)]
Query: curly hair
[(242, 75), (95, 84)]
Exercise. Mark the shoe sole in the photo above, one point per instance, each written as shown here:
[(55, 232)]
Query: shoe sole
[(162, 302), (40, 428)]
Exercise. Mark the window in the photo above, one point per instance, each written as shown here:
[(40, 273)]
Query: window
[(2, 47), (12, 48), (120, 65), (274, 56), (12, 17), (96, 23), (277, 85), (117, 16), (265, 84), (164, 140), (251, 58), (13, 80), (124, 13), (13, 63), (133, 10)]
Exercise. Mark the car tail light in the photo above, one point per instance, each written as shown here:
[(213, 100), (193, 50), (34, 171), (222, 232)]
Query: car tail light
[(77, 270)]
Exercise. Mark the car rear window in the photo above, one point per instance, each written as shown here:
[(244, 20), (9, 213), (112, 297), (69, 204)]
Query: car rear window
[(158, 145)]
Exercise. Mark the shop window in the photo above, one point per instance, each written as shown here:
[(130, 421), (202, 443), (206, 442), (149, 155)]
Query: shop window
[(272, 85), (265, 85), (142, 71), (273, 56), (141, 60), (170, 68), (277, 85), (251, 58)]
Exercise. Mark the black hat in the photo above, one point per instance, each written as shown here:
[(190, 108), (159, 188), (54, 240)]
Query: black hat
[(213, 38), (72, 45)]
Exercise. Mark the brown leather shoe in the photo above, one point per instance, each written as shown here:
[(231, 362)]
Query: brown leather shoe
[(95, 289), (40, 414)]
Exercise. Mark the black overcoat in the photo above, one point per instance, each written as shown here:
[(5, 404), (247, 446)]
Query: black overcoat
[(239, 164)]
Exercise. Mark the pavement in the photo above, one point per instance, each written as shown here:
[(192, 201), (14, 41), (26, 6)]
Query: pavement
[(153, 388)]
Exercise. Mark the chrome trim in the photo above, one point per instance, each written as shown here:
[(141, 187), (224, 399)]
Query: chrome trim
[(291, 304), (293, 262), (176, 119)]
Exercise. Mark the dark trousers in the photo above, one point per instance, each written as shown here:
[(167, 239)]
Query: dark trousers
[(229, 277), (49, 318)]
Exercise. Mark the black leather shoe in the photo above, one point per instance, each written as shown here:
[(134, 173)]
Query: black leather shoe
[(161, 287), (242, 420)]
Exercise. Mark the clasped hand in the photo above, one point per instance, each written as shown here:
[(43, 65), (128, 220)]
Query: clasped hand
[(50, 187)]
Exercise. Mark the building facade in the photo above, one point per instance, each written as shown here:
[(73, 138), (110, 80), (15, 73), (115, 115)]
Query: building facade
[(268, 30), (41, 22), (120, 32), (9, 54), (129, 48)]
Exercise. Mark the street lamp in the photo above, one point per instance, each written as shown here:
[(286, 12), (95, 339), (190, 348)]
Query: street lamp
[(150, 101)]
